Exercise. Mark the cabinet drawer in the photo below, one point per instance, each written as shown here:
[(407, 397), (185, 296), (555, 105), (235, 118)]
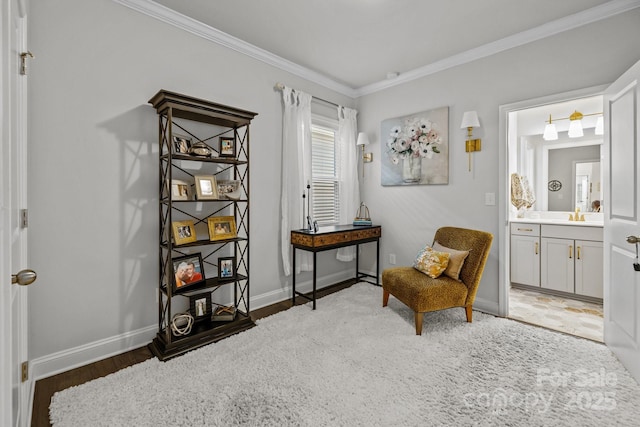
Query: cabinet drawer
[(572, 232), (525, 229), (331, 239), (365, 234)]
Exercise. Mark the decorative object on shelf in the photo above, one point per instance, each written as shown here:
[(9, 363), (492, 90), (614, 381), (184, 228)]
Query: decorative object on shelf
[(224, 313), (226, 268), (183, 232), (470, 121), (200, 306), (181, 144), (222, 227), (229, 189), (521, 195), (555, 185), (362, 215), (200, 149), (575, 126), (187, 272), (227, 147), (180, 190), (181, 324), (206, 187), (416, 149), (363, 140)]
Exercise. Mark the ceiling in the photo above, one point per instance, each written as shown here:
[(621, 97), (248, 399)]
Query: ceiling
[(354, 44)]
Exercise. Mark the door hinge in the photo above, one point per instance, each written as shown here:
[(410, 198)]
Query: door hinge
[(24, 218), (23, 62), (25, 371)]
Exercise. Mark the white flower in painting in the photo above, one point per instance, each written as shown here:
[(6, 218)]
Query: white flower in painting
[(423, 139), (426, 151), (425, 126), (402, 144), (395, 159), (395, 131), (415, 146)]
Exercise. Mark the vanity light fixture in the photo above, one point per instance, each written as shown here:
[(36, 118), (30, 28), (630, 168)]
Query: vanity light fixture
[(470, 121), (575, 126), (363, 140)]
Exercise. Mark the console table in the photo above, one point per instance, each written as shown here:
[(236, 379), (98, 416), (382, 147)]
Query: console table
[(332, 237)]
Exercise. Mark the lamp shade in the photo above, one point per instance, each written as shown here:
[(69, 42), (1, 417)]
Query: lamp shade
[(600, 126), (363, 139), (575, 129), (470, 120), (550, 132)]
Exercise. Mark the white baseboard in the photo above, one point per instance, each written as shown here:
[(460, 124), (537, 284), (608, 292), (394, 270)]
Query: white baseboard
[(486, 306), (64, 360)]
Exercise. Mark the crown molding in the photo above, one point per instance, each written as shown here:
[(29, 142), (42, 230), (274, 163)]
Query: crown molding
[(603, 11), (171, 17)]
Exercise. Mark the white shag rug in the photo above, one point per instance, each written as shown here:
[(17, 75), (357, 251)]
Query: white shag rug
[(352, 362)]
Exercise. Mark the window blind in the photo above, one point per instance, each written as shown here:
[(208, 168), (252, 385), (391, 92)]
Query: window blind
[(324, 173)]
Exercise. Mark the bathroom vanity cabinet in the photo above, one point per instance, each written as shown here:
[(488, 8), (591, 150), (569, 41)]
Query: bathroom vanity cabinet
[(560, 258)]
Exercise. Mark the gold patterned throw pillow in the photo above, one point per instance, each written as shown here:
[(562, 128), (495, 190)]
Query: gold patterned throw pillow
[(430, 262), (456, 260)]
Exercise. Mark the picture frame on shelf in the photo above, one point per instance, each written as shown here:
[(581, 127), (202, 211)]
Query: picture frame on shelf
[(222, 227), (183, 232), (206, 187), (227, 146), (229, 189), (226, 268), (200, 306), (181, 144), (188, 271), (180, 190)]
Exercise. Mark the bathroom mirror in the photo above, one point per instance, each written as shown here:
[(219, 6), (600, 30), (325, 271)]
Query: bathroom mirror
[(578, 170), (587, 184)]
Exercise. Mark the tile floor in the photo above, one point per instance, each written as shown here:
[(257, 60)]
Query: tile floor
[(575, 317)]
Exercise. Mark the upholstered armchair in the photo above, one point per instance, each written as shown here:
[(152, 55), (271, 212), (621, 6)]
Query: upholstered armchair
[(423, 293)]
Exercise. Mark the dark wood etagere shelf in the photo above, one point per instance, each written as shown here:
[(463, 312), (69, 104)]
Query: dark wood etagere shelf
[(205, 122)]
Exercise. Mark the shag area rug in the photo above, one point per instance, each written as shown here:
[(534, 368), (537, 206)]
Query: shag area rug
[(352, 362)]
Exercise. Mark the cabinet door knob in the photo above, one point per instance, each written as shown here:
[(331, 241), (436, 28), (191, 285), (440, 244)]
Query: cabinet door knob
[(570, 251), (578, 249), (536, 248)]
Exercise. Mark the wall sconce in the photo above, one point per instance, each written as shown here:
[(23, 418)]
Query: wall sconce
[(575, 126), (470, 121), (363, 140)]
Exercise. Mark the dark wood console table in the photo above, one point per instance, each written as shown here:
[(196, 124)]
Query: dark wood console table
[(333, 237)]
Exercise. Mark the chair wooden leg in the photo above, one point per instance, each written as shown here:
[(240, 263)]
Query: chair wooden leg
[(385, 297), (418, 317), (469, 310)]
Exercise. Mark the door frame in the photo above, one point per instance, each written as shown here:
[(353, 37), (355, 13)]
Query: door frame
[(503, 179)]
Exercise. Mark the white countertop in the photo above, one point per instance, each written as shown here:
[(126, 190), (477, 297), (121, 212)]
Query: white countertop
[(592, 219)]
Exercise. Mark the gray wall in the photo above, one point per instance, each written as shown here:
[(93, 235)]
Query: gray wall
[(93, 154)]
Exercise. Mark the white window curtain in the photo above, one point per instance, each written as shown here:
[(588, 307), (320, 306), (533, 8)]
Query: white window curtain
[(296, 172), (349, 192)]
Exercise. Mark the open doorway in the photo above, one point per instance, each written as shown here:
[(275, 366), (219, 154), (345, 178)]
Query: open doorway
[(552, 271)]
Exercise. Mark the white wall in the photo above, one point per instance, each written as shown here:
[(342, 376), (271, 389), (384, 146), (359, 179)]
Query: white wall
[(94, 167), (588, 56), (93, 158)]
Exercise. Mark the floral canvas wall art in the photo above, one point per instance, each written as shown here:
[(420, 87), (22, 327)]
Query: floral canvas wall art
[(415, 148)]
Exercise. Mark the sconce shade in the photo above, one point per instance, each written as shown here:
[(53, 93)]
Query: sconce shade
[(470, 120), (550, 132), (575, 129), (600, 126), (363, 139)]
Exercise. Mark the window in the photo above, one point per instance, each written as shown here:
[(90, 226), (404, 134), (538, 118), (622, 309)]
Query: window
[(324, 171)]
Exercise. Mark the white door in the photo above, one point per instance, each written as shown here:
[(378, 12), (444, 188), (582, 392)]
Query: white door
[(14, 394), (622, 218)]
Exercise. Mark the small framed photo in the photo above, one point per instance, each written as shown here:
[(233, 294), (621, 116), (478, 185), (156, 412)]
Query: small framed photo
[(221, 227), (227, 147), (226, 268), (229, 189), (181, 144), (188, 271), (206, 187), (200, 306), (180, 190), (183, 232)]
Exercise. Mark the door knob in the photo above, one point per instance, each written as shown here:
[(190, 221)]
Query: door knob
[(634, 240), (24, 277)]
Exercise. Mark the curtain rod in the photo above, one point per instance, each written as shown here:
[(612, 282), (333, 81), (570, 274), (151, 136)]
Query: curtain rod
[(280, 86)]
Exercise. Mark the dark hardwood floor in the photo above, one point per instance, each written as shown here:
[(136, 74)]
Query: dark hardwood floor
[(45, 388)]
